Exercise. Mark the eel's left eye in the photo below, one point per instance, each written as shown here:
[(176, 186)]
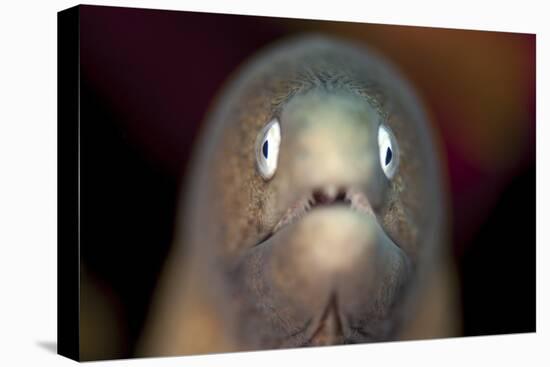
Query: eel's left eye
[(389, 154), (267, 150)]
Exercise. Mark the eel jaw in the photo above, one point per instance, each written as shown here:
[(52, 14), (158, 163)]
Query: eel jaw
[(325, 196), (345, 270)]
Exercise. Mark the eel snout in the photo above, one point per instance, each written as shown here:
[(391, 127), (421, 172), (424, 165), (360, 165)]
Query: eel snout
[(326, 196)]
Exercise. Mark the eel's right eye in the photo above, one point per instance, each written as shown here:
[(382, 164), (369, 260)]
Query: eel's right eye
[(267, 150)]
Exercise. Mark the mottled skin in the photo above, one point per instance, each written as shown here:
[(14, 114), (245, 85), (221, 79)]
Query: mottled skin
[(236, 280)]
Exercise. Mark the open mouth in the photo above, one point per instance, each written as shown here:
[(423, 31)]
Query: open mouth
[(323, 197)]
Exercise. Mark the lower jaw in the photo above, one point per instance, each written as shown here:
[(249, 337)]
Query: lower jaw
[(323, 235)]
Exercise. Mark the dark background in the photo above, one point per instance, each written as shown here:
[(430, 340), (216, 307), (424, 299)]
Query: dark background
[(147, 78)]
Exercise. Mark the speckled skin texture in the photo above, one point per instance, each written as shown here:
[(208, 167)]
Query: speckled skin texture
[(233, 282)]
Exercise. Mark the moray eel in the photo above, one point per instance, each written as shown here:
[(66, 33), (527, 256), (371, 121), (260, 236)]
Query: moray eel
[(315, 212)]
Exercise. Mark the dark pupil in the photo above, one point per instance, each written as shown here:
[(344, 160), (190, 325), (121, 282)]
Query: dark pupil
[(388, 156), (264, 149)]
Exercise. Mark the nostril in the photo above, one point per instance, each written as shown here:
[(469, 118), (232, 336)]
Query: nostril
[(319, 197), (341, 196), (329, 195)]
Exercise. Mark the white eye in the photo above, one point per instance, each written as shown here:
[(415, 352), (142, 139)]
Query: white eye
[(267, 150), (389, 154)]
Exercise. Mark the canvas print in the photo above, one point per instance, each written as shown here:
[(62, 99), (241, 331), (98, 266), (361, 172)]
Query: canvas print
[(233, 183)]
